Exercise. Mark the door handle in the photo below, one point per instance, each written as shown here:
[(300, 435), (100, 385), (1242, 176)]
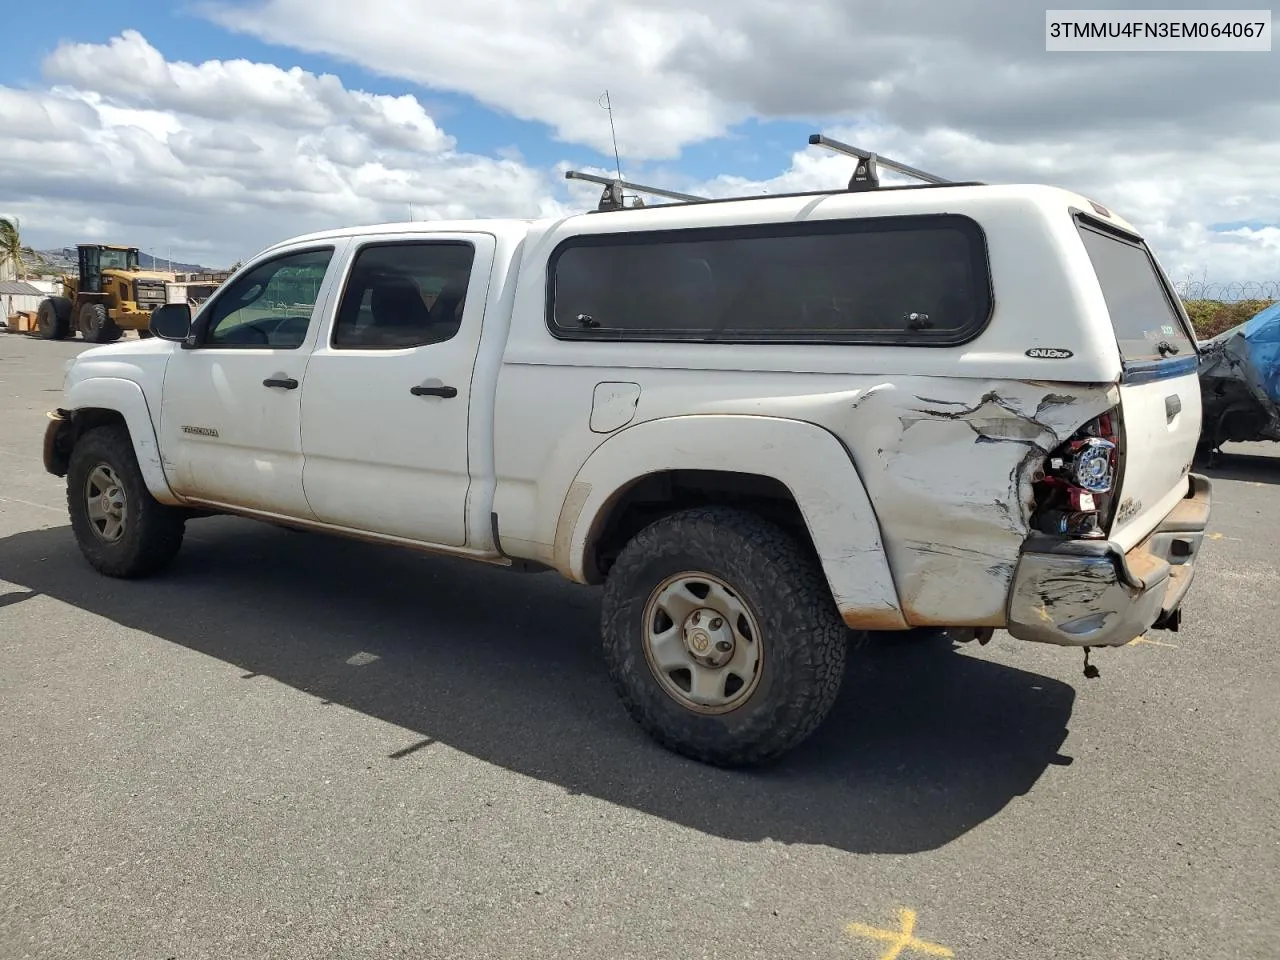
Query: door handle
[(1172, 406), (288, 383), (446, 392)]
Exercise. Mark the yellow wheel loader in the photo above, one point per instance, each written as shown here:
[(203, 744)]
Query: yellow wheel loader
[(111, 295)]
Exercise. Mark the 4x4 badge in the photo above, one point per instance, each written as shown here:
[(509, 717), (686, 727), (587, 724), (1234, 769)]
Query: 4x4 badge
[(1049, 353)]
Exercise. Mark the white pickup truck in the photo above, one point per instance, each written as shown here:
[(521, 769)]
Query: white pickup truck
[(761, 424)]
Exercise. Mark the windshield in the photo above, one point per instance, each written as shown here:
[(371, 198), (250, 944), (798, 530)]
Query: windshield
[(119, 259), (1146, 323)]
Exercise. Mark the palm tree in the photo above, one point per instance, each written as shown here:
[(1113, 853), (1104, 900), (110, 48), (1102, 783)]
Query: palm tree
[(11, 249)]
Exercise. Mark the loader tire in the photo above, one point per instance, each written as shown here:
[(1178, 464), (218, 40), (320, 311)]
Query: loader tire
[(96, 325), (53, 318)]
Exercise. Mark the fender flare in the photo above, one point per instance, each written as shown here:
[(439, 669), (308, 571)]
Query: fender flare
[(807, 459), (127, 399)]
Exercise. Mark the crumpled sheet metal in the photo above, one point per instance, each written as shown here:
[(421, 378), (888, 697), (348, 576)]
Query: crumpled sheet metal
[(1240, 379)]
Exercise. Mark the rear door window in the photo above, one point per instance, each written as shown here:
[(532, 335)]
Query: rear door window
[(1142, 310), (404, 294)]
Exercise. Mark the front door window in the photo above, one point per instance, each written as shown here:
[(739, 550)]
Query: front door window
[(271, 306)]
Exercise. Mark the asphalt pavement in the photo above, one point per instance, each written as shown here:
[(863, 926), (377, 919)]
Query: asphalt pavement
[(293, 746)]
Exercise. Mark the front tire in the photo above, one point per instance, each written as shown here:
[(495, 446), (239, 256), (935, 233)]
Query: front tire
[(121, 530), (722, 638), (96, 325)]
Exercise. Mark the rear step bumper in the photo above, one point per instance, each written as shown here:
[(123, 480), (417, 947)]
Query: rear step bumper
[(1089, 593)]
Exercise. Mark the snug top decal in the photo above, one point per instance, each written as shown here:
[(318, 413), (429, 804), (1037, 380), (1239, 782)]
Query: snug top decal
[(1049, 353)]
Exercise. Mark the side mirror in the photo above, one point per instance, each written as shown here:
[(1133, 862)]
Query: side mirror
[(172, 321)]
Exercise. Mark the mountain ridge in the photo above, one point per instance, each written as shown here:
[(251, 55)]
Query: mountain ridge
[(65, 258)]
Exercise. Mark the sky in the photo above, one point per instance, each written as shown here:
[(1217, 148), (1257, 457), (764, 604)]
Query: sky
[(206, 130)]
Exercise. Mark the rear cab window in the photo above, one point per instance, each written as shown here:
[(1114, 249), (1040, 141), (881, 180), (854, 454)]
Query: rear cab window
[(1148, 325), (918, 280)]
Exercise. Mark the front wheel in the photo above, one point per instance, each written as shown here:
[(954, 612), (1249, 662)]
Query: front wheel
[(721, 636), (121, 529), (96, 324)]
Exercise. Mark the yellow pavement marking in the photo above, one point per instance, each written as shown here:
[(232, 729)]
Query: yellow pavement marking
[(1155, 643), (899, 940)]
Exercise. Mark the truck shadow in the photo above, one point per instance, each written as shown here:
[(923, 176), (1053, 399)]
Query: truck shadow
[(924, 744)]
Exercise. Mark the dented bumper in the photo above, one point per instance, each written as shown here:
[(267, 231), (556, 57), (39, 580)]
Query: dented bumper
[(1086, 593)]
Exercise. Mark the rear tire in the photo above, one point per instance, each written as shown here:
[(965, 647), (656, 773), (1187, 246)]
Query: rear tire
[(120, 528), (53, 318), (96, 325), (723, 585)]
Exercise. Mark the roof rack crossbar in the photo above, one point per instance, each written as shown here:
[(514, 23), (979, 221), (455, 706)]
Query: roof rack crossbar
[(612, 198), (866, 176)]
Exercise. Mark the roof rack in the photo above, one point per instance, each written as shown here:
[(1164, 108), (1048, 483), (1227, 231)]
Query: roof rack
[(866, 176), (613, 198)]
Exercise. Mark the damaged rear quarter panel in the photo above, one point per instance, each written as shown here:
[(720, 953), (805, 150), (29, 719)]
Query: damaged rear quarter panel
[(948, 463)]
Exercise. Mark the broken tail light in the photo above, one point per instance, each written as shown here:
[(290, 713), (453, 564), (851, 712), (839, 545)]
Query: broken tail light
[(1075, 487)]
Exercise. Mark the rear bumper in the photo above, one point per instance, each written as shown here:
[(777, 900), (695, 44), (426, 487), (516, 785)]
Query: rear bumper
[(1085, 593)]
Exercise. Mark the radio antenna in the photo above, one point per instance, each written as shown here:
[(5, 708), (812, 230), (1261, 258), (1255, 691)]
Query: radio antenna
[(607, 105)]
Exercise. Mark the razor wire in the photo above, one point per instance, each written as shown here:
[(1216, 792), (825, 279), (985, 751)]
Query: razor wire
[(1228, 291)]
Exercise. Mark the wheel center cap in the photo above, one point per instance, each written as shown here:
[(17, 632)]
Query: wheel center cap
[(708, 638)]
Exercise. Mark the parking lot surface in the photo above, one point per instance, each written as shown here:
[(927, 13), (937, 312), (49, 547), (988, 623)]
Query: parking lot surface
[(294, 746)]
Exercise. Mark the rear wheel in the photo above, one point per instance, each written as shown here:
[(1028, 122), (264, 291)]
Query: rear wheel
[(120, 528), (96, 325), (721, 636), (53, 318)]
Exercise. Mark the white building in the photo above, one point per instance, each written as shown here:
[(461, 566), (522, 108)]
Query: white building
[(17, 296)]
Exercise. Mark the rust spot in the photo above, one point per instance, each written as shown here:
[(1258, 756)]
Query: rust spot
[(877, 619), (1143, 564)]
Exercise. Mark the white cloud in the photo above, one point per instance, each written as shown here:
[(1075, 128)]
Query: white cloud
[(131, 71), (1178, 142), (221, 158), (1171, 196), (33, 118), (681, 75), (540, 61)]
